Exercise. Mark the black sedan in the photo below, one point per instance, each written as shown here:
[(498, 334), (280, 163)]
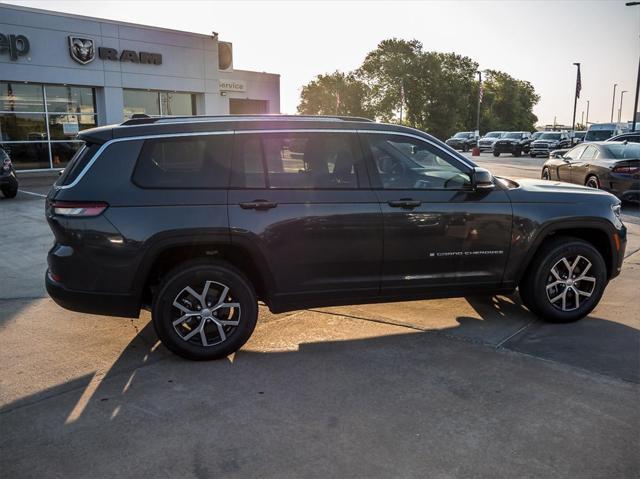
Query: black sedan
[(612, 166), (463, 140), (8, 178)]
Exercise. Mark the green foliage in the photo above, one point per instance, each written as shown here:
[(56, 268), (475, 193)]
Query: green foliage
[(436, 92), (335, 94)]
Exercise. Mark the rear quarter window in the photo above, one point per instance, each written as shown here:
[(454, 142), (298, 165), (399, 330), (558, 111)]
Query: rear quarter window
[(77, 164), (185, 162)]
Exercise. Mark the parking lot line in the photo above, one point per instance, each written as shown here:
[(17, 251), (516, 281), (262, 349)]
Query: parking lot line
[(32, 193)]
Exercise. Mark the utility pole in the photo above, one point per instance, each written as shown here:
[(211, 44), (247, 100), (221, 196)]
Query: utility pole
[(635, 103), (587, 113), (575, 98), (620, 109), (613, 102), (582, 119)]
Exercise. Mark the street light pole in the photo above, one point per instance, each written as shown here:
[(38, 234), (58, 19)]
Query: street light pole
[(613, 102), (582, 119), (635, 103), (478, 112), (620, 109)]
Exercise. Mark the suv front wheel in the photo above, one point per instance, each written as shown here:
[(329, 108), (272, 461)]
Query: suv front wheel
[(565, 281), (204, 310)]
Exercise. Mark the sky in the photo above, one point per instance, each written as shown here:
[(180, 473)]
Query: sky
[(536, 41)]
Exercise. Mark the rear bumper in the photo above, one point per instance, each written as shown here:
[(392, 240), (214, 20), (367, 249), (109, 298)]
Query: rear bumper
[(106, 304)]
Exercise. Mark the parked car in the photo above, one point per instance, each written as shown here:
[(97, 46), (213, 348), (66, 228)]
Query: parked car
[(486, 142), (632, 137), (548, 141), (8, 178), (577, 137), (612, 166), (463, 140), (604, 131), (514, 142), (196, 219)]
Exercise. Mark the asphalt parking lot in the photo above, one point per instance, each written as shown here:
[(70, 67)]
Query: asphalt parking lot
[(470, 387)]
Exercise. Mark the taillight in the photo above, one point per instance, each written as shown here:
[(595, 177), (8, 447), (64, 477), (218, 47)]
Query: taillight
[(6, 165), (77, 208), (627, 170)]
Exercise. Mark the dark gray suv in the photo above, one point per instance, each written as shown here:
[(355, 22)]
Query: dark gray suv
[(198, 219)]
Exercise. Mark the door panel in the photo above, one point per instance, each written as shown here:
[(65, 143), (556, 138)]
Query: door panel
[(313, 239), (437, 232)]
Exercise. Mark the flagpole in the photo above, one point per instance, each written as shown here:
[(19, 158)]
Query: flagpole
[(575, 98)]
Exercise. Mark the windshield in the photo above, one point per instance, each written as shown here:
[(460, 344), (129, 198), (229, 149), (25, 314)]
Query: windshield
[(493, 134), (598, 135), (536, 135), (621, 151), (462, 134), (513, 135), (550, 136)]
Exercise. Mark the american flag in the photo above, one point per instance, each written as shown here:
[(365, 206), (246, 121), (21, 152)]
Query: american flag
[(578, 82)]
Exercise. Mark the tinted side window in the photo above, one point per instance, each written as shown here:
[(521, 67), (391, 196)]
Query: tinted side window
[(575, 153), (184, 162), (590, 153), (296, 160), (408, 163)]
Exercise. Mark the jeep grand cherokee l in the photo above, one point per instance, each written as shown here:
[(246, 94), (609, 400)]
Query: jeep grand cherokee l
[(198, 219)]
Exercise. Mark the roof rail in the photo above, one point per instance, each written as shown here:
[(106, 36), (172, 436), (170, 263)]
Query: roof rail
[(142, 119)]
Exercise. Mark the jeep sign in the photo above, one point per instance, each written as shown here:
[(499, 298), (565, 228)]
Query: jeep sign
[(16, 45)]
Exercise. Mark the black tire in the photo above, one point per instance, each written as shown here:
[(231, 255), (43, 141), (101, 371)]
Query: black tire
[(592, 181), (538, 297), (197, 274), (496, 154), (517, 153), (9, 192), (532, 155), (546, 174), (465, 148)]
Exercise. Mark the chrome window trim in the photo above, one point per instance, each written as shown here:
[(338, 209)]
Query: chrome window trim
[(233, 132)]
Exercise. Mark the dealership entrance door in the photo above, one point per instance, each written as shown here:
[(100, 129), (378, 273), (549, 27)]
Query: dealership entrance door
[(238, 106)]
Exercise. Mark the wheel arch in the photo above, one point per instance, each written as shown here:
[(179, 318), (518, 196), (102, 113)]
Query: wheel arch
[(598, 233), (165, 257)]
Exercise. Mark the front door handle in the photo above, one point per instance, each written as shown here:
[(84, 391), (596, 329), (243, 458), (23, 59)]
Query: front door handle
[(258, 205), (406, 203)]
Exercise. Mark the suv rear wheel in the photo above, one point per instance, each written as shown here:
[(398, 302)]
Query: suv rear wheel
[(565, 281), (204, 310), (10, 192)]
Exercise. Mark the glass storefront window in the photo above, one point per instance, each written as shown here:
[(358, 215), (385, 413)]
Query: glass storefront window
[(22, 127), (174, 103), (28, 156), (70, 99), (30, 130), (66, 127), (140, 101), (158, 103), (62, 152), (21, 97)]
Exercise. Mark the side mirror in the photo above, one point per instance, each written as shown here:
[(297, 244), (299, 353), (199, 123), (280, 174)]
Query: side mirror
[(482, 180)]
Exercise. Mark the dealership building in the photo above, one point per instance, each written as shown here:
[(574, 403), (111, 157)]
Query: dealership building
[(62, 73)]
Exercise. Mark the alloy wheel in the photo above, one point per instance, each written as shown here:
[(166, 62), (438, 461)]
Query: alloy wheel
[(207, 318), (592, 182), (568, 283)]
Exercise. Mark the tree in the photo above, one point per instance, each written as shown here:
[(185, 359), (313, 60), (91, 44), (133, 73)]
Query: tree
[(507, 103), (436, 92), (335, 94)]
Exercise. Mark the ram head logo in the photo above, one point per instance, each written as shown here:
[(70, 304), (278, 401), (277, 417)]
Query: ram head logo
[(82, 50)]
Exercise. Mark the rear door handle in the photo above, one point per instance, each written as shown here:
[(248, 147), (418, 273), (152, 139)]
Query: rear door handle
[(258, 205), (406, 203)]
